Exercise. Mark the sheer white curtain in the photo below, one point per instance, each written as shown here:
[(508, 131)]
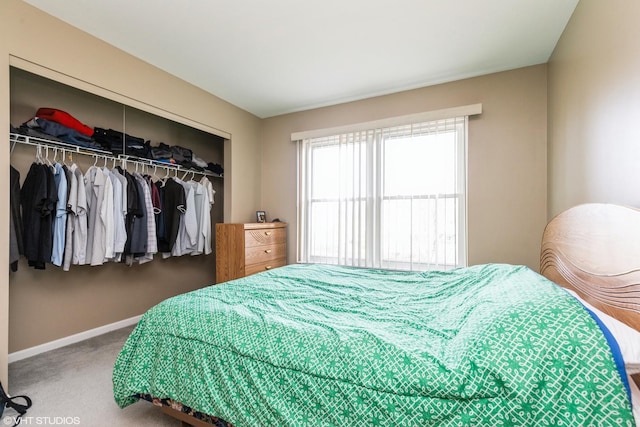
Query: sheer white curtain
[(387, 198)]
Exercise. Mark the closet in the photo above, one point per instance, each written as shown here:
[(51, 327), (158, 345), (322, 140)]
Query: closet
[(50, 304)]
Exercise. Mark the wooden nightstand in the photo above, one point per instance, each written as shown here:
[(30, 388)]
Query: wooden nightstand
[(245, 249)]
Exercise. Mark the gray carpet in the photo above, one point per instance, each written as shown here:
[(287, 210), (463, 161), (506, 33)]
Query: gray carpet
[(74, 382)]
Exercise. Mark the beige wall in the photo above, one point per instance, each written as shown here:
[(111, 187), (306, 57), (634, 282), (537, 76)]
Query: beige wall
[(92, 297), (594, 107), (507, 157)]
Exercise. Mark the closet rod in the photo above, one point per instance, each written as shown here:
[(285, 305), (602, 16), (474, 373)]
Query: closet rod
[(16, 138)]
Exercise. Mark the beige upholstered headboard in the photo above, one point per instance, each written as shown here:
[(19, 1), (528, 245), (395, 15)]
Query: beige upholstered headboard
[(594, 249)]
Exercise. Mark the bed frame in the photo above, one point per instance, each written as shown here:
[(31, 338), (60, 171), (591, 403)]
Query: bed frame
[(592, 249), (185, 420)]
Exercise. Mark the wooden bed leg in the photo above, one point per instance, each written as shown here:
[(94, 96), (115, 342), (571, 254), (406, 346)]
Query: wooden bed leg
[(185, 420)]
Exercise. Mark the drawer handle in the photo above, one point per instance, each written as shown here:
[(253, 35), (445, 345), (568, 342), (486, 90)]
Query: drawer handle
[(268, 267), (267, 233), (267, 251)]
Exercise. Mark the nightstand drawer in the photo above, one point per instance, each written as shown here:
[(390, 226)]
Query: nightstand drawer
[(257, 254), (264, 237), (264, 266)]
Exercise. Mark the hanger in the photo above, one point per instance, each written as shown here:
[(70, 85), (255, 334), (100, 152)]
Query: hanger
[(39, 158), (47, 155), (166, 176)]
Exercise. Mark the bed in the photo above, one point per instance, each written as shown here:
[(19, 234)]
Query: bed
[(340, 346)]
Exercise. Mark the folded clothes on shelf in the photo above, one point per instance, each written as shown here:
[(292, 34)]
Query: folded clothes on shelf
[(121, 143), (161, 152), (215, 168), (57, 125), (43, 128)]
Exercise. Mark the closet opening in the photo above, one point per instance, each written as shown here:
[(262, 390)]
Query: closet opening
[(52, 307)]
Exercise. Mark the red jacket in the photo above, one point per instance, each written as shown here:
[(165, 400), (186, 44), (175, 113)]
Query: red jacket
[(65, 119)]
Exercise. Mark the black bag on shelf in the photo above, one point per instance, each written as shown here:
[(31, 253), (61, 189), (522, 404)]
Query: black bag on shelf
[(11, 402)]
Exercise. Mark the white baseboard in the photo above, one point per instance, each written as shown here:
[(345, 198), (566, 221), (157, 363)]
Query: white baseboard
[(72, 339)]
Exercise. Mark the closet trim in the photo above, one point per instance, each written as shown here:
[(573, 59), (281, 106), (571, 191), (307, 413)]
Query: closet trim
[(68, 80)]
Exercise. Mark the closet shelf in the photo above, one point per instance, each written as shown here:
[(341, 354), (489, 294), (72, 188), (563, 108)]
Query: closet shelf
[(16, 138)]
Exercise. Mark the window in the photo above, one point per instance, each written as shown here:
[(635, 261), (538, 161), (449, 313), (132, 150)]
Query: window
[(385, 198)]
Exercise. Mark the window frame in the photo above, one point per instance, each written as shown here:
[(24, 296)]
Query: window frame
[(304, 212)]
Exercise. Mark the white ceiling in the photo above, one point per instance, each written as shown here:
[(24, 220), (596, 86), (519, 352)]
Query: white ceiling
[(280, 56)]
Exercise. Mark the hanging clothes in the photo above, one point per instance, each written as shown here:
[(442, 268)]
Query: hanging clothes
[(188, 227), (72, 208), (134, 210), (151, 244), (137, 234), (80, 220), (97, 186), (16, 247), (174, 202), (202, 208), (207, 229), (75, 218), (38, 198), (60, 215), (107, 217), (119, 212)]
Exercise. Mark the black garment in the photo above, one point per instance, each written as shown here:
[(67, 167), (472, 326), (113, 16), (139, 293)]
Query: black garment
[(121, 143), (67, 174), (161, 235), (139, 230), (38, 198), (174, 203), (16, 247), (134, 219), (108, 138)]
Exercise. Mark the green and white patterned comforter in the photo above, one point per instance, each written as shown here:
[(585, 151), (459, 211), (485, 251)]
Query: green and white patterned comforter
[(308, 345)]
